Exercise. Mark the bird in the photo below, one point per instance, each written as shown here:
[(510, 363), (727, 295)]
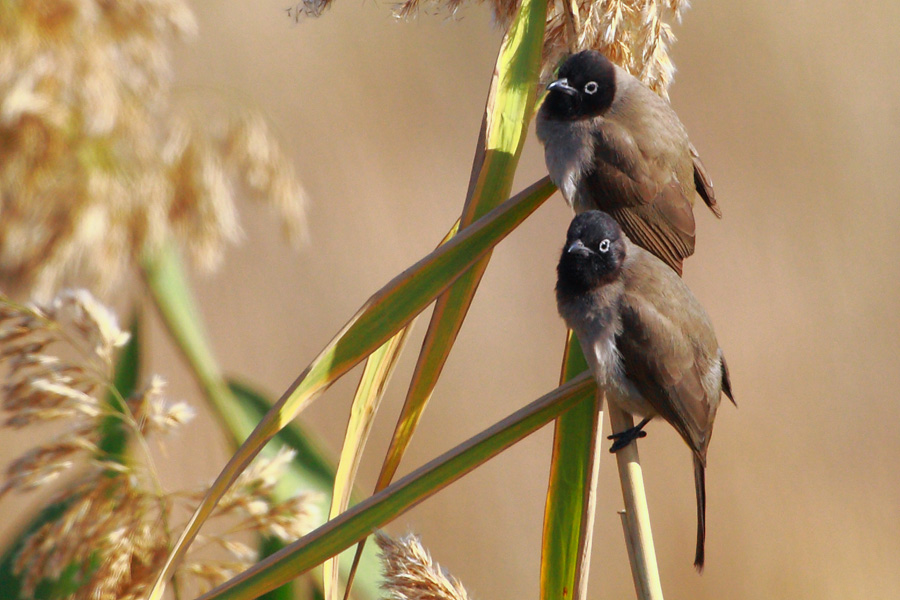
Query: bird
[(648, 341), (612, 144)]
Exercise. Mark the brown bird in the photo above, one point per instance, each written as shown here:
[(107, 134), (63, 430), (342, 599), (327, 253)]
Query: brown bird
[(612, 144), (647, 339)]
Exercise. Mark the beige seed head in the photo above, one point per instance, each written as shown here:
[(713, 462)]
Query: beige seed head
[(411, 574), (632, 33), (115, 528)]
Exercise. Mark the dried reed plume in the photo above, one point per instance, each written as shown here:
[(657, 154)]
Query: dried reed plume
[(95, 166), (113, 534), (633, 33), (411, 574)]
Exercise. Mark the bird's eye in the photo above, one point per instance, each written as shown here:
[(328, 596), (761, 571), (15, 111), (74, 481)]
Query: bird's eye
[(591, 87), (604, 246)]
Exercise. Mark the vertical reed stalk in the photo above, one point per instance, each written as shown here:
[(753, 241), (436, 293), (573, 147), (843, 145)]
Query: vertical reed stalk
[(636, 517)]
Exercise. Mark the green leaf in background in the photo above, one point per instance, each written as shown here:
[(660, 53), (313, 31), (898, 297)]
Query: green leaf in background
[(168, 285), (569, 511), (113, 432), (373, 512), (381, 317), (10, 583)]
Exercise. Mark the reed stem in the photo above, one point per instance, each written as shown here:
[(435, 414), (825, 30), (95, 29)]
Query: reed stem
[(636, 516)]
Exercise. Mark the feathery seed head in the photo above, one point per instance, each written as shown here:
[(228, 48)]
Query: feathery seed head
[(411, 574), (114, 530), (632, 33)]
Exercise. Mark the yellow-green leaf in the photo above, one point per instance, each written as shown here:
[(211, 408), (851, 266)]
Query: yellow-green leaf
[(569, 512), (382, 316), (238, 407), (379, 367), (508, 111), (310, 470), (375, 511)]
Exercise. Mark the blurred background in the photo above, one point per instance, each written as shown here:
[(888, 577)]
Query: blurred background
[(795, 109)]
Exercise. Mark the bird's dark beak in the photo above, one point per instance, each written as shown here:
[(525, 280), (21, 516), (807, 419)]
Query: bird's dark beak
[(562, 85), (578, 247)]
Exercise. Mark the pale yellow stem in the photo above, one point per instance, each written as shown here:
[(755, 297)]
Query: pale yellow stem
[(636, 516)]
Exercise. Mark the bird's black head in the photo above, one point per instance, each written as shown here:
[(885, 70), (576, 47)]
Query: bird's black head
[(593, 254), (584, 88)]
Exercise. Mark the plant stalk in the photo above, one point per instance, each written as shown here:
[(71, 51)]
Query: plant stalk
[(636, 517)]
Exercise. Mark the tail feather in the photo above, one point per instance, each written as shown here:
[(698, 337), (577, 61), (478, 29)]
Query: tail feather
[(726, 378), (700, 486)]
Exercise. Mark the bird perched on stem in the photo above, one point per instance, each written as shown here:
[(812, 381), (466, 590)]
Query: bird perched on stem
[(612, 144), (647, 339)]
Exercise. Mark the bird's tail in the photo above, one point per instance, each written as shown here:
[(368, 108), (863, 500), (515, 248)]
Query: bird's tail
[(700, 486)]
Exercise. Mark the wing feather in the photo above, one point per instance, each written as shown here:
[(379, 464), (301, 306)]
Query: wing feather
[(650, 204), (665, 370)]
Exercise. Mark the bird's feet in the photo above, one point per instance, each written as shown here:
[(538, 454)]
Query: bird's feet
[(623, 438)]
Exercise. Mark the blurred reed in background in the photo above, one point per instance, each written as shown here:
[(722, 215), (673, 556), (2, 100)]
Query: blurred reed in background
[(97, 166)]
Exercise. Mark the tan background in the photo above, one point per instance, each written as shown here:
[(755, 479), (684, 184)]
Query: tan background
[(795, 108)]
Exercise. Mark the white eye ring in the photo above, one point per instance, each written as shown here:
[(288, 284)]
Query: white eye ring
[(591, 87), (604, 246)]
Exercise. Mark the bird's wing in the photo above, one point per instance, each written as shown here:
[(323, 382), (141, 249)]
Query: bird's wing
[(664, 227), (704, 184), (665, 369), (649, 203)]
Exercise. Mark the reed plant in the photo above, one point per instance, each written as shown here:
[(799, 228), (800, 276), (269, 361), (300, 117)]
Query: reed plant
[(102, 178)]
